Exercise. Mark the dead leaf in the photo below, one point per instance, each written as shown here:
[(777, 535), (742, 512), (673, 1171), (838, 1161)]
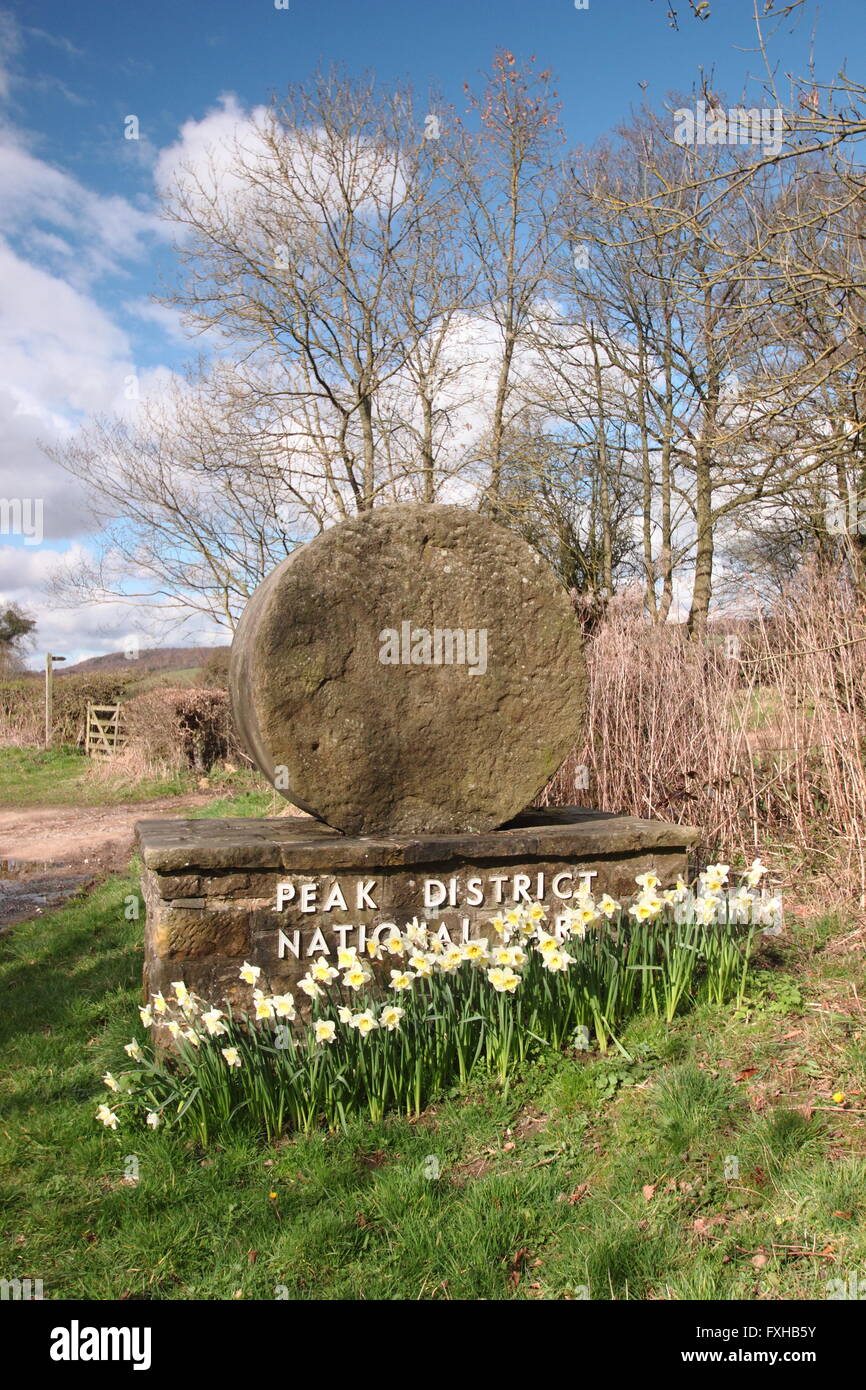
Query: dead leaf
[(515, 1266)]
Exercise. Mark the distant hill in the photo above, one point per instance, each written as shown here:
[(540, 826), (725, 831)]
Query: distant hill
[(157, 659)]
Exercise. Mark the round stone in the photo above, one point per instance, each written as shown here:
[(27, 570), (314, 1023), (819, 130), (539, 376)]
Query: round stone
[(415, 669)]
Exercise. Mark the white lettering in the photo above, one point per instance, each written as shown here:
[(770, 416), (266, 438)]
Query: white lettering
[(474, 892), (362, 895), (284, 945), (557, 891), (335, 899), (432, 885)]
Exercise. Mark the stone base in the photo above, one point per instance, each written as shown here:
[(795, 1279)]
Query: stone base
[(279, 892)]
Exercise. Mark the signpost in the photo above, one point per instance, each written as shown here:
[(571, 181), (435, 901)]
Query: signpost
[(49, 693)]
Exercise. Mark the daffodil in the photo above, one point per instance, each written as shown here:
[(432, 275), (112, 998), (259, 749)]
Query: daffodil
[(146, 1016), (647, 881), (110, 1081), (133, 1050), (706, 909), (504, 981), (250, 973), (416, 933), (181, 993), (640, 911), (357, 977), (536, 913), (284, 1005), (344, 1014), (755, 873), (476, 949), (608, 906), (159, 1004), (714, 877), (452, 959), (173, 1028), (346, 957), (323, 972), (557, 961), (194, 1038), (769, 912), (364, 1022), (515, 956), (108, 1117), (390, 1017), (394, 944), (231, 1055), (740, 905), (154, 1119), (401, 979), (421, 965), (325, 1030), (213, 1022), (264, 1007), (579, 918), (499, 925), (310, 987)]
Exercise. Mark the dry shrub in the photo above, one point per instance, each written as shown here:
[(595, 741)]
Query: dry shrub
[(761, 750), (181, 728)]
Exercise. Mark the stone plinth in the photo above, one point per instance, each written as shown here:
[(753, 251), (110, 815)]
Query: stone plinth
[(279, 892)]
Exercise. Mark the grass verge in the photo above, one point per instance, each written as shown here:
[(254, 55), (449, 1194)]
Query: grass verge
[(712, 1163)]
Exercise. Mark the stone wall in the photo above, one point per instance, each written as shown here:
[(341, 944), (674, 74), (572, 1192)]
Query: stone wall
[(279, 892)]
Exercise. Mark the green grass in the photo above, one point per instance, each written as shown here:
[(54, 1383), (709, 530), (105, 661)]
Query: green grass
[(610, 1176), (60, 777), (758, 708), (157, 680)]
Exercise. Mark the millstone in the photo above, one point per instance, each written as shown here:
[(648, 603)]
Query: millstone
[(417, 668)]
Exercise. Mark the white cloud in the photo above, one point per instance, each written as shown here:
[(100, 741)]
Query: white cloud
[(212, 158), (169, 320), (207, 149), (101, 233), (10, 43)]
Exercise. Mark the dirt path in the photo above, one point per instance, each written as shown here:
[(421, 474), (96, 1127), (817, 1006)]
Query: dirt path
[(47, 853)]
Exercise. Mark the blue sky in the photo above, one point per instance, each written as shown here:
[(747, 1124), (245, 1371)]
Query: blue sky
[(81, 248)]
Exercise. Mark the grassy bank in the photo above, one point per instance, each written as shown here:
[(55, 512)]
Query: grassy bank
[(605, 1175), (65, 777)]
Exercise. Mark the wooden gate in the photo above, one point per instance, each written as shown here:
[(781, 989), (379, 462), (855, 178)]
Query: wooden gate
[(104, 734)]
